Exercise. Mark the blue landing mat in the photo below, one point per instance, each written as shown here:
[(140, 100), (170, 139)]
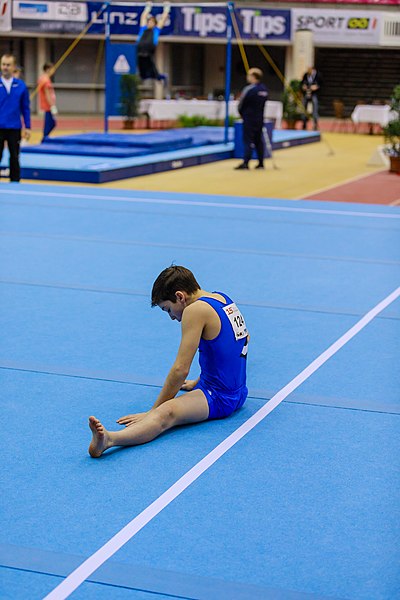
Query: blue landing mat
[(118, 144), (71, 158)]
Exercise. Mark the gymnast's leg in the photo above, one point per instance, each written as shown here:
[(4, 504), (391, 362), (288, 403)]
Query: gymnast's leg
[(182, 410)]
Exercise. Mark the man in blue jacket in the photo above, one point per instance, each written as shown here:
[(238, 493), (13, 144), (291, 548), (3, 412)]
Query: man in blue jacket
[(14, 103), (251, 109)]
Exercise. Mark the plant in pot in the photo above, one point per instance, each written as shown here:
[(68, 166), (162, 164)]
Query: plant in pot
[(130, 98), (292, 103), (392, 132)]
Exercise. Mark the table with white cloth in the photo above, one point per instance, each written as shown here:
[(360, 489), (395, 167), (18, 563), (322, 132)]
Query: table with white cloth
[(372, 113), (161, 110)]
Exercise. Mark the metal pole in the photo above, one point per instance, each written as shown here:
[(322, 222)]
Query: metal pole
[(228, 68), (107, 59), (269, 148)]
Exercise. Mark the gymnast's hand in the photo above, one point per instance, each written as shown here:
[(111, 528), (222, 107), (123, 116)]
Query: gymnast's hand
[(188, 385), (132, 419), (167, 8)]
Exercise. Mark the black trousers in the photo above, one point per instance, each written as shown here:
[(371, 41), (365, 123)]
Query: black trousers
[(13, 138), (147, 67), (253, 136)]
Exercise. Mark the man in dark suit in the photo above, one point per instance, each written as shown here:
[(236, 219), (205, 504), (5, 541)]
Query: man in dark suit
[(251, 109), (310, 85)]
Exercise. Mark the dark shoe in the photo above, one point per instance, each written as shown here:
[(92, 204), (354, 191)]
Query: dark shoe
[(242, 166), (260, 166)]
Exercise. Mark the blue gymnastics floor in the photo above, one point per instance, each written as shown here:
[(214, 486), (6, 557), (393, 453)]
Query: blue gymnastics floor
[(99, 158), (305, 505)]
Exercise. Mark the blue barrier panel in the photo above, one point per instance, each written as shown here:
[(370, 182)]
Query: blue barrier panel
[(120, 60)]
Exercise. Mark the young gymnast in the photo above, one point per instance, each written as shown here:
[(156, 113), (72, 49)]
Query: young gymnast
[(147, 41), (211, 323)]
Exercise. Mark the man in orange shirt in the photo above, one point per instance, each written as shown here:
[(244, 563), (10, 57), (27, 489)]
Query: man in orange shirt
[(47, 99)]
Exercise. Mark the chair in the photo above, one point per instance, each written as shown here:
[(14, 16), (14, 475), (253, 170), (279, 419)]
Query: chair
[(341, 122)]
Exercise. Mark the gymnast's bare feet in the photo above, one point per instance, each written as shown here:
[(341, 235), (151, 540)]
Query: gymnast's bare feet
[(101, 440)]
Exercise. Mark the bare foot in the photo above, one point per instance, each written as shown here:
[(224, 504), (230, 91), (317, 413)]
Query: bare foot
[(100, 441)]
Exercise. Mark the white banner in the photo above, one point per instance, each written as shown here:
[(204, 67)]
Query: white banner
[(5, 15), (50, 11), (339, 27)]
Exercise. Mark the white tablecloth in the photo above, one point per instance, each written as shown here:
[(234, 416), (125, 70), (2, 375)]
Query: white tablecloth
[(370, 113), (212, 109)]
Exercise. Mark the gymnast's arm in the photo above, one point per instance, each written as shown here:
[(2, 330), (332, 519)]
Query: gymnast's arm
[(163, 19), (193, 322), (145, 14)]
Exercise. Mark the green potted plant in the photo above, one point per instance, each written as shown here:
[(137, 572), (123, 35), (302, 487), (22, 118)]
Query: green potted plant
[(130, 98), (292, 103), (392, 132)]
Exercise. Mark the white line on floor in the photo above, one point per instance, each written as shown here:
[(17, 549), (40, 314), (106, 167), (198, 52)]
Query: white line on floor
[(77, 577), (189, 203)]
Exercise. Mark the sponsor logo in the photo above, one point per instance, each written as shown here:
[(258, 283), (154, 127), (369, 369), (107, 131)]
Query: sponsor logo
[(71, 11), (115, 18), (329, 22), (254, 22), (121, 65), (361, 23), (203, 23), (177, 164), (51, 11), (26, 8)]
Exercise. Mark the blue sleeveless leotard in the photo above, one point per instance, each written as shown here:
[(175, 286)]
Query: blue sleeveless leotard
[(223, 361)]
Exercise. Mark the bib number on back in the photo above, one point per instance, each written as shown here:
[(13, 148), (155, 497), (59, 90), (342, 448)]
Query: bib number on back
[(237, 321)]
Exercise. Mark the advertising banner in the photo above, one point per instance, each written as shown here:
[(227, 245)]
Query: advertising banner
[(187, 21), (359, 2), (123, 20), (253, 23), (5, 15), (338, 27), (63, 17)]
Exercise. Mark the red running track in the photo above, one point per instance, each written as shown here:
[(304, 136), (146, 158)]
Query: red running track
[(379, 188)]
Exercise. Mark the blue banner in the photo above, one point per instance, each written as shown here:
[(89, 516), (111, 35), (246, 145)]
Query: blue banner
[(252, 23), (123, 20), (196, 22), (186, 21), (120, 60)]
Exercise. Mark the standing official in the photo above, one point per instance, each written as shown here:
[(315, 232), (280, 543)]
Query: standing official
[(310, 85), (14, 103), (251, 109)]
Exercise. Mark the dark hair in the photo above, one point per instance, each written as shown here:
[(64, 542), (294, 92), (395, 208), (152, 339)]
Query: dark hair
[(47, 66), (173, 279)]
